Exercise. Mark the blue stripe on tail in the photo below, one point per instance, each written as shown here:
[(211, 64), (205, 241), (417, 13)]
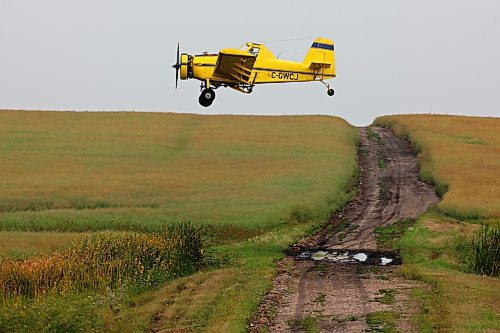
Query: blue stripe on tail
[(323, 46)]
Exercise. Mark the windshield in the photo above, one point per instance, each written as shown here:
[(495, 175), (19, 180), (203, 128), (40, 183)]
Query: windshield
[(254, 50), (250, 48)]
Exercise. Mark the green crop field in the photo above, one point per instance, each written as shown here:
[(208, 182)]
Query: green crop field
[(461, 155), (72, 179), (93, 171)]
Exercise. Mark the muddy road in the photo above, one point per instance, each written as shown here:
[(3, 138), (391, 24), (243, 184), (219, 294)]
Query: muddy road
[(338, 280)]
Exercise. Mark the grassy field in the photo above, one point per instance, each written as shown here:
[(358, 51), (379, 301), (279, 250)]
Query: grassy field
[(66, 171), (21, 244), (462, 156), (260, 183)]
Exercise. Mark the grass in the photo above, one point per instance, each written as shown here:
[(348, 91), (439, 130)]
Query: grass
[(457, 300), (382, 321), (257, 183), (308, 324), (22, 244), (67, 313), (388, 236), (185, 302), (381, 162), (485, 256), (387, 296), (66, 171), (372, 135), (461, 155)]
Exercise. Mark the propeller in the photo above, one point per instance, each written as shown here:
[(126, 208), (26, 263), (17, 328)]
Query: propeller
[(177, 66)]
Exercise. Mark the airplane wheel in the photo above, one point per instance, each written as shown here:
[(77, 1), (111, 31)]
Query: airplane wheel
[(204, 102), (208, 94), (207, 97), (330, 92)]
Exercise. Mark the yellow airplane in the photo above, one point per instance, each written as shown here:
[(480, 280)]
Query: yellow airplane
[(253, 64)]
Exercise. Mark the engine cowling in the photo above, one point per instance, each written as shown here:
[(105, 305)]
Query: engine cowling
[(184, 66)]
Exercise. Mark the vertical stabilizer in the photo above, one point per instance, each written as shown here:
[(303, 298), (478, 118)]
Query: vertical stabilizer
[(321, 55)]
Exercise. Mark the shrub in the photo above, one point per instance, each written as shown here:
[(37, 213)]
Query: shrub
[(107, 261)]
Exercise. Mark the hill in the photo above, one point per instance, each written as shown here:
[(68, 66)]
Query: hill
[(93, 171)]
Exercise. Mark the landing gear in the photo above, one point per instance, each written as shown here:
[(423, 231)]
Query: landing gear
[(329, 90), (207, 97), (207, 94)]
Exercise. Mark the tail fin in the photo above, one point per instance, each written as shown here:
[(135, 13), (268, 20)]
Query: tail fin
[(321, 55)]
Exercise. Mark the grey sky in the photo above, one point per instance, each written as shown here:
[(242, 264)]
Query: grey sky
[(392, 56)]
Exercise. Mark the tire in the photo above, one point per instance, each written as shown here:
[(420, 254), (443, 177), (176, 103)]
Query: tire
[(208, 94), (330, 92), (204, 102)]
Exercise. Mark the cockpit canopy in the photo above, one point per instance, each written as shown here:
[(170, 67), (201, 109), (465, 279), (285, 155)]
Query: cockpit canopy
[(256, 49)]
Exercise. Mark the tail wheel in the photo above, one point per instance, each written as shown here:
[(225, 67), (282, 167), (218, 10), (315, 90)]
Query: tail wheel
[(330, 92)]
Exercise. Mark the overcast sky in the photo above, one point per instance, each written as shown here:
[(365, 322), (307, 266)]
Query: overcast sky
[(392, 56)]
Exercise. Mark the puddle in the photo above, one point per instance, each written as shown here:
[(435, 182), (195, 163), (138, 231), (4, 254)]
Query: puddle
[(320, 255), (360, 256), (385, 261), (349, 256)]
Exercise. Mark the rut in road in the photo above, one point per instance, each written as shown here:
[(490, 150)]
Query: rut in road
[(337, 296)]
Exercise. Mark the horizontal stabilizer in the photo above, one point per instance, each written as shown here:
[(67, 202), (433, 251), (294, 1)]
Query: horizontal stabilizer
[(319, 65)]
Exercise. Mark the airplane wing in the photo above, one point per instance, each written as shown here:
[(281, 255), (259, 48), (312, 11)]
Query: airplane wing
[(234, 65)]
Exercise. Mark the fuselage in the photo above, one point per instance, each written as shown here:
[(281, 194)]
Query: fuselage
[(267, 68)]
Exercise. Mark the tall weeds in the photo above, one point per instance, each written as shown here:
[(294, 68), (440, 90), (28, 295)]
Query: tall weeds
[(486, 252), (107, 261)]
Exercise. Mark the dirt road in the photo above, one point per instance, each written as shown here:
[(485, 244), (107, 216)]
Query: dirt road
[(337, 280)]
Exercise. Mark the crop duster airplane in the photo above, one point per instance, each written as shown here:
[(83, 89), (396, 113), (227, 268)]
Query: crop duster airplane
[(253, 64)]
